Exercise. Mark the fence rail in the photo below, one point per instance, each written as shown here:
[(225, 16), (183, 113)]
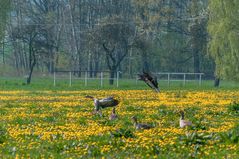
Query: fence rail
[(182, 74), (101, 76)]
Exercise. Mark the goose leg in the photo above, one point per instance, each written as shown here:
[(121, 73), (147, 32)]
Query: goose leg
[(100, 113)]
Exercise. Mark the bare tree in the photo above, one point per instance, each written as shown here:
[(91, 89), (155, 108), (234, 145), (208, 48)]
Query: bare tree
[(116, 38)]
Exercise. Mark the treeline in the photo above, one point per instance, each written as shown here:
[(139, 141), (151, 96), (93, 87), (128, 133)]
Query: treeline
[(114, 35)]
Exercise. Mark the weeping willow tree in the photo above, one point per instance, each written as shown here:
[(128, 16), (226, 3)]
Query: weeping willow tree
[(4, 8), (223, 28)]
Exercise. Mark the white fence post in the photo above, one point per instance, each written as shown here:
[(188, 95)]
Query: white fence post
[(70, 82), (54, 76), (101, 79), (184, 79), (168, 79), (200, 79), (117, 79), (136, 80), (86, 74)]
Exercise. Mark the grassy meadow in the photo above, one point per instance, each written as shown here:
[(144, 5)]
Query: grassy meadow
[(60, 124), (40, 83)]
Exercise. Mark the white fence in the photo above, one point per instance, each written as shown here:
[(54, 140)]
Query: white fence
[(100, 77), (184, 77)]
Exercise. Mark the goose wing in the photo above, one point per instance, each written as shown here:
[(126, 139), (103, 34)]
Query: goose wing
[(149, 80), (145, 126), (108, 102)]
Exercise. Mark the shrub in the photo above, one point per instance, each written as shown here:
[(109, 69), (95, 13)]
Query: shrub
[(195, 138), (234, 107), (122, 133), (232, 136), (3, 134)]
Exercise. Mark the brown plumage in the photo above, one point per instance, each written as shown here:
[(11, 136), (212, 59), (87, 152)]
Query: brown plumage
[(104, 103), (140, 125), (149, 80)]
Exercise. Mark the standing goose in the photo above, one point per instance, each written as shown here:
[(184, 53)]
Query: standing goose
[(140, 125), (103, 103), (183, 123), (113, 115), (149, 80)]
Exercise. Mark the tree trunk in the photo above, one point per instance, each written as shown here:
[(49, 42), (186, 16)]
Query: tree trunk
[(52, 66), (90, 65), (96, 61), (30, 73), (3, 52), (32, 60), (91, 69), (196, 61), (145, 62), (79, 66), (25, 57), (216, 82), (115, 62), (96, 68), (112, 75)]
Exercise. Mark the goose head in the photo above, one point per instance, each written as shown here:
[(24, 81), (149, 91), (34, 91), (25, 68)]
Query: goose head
[(182, 114), (113, 110), (134, 119)]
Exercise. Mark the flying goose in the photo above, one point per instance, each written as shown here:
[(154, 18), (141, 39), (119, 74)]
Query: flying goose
[(183, 123), (140, 125), (149, 80)]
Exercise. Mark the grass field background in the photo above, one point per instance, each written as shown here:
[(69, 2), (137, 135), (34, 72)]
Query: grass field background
[(45, 121), (79, 84), (60, 124)]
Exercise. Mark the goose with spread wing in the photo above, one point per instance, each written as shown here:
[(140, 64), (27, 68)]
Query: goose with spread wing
[(150, 80), (104, 103)]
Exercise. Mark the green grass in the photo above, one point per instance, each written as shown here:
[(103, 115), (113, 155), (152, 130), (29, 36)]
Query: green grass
[(192, 143), (93, 84)]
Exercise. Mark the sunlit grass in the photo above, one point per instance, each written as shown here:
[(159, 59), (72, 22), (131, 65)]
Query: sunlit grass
[(95, 84), (59, 124)]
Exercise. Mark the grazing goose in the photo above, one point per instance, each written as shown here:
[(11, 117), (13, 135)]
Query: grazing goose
[(113, 115), (149, 80), (139, 125), (184, 123), (103, 103)]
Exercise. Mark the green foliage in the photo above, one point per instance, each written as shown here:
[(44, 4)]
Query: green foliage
[(234, 107), (223, 29), (62, 61), (198, 126), (195, 138), (231, 136), (46, 83), (126, 133), (3, 134), (4, 8)]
